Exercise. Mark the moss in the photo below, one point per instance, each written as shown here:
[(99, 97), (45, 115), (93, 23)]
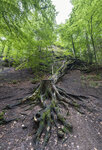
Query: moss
[(34, 81), (2, 120), (60, 118), (60, 133), (94, 84), (53, 104), (64, 129), (14, 82), (76, 105), (2, 115), (69, 127), (83, 77), (43, 115)]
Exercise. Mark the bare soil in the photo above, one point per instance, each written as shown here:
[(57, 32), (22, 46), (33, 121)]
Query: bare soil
[(87, 128)]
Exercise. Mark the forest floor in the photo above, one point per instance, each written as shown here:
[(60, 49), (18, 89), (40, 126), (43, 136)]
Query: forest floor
[(87, 128)]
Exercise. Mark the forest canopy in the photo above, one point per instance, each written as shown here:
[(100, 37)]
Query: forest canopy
[(28, 29), (82, 32), (40, 52)]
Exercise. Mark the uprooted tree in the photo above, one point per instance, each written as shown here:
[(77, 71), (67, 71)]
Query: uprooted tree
[(50, 97)]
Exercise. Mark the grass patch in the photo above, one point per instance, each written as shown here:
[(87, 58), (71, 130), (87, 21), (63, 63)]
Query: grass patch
[(93, 80), (14, 82), (34, 81), (2, 115), (94, 84)]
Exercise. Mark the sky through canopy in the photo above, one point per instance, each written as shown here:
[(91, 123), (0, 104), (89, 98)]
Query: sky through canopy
[(64, 7)]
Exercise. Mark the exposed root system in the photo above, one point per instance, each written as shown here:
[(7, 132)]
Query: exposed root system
[(50, 98)]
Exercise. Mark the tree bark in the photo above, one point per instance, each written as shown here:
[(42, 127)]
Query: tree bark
[(88, 49), (92, 39), (74, 50)]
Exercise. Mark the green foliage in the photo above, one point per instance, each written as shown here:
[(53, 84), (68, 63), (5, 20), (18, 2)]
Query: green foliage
[(2, 115), (14, 82), (82, 32), (92, 80), (27, 29)]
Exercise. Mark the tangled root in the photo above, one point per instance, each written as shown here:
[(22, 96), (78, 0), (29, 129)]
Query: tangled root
[(50, 97)]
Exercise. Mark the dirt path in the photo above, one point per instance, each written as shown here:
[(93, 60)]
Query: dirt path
[(87, 133)]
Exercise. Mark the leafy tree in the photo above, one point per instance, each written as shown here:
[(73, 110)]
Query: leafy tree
[(85, 27), (29, 27), (26, 32)]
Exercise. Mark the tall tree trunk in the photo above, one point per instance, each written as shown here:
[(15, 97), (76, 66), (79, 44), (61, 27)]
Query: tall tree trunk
[(2, 62), (88, 49), (74, 50), (92, 39)]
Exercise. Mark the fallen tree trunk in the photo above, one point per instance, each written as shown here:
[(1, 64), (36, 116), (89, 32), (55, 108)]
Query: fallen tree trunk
[(50, 97)]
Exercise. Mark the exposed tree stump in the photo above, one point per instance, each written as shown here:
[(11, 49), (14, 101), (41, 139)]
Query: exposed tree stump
[(50, 97)]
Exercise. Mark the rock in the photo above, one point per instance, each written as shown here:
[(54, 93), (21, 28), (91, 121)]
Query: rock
[(24, 127)]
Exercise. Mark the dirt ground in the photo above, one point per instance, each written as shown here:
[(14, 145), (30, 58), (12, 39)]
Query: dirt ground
[(87, 128)]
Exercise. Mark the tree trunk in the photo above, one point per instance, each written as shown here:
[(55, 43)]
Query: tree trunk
[(74, 50), (88, 49), (93, 43)]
